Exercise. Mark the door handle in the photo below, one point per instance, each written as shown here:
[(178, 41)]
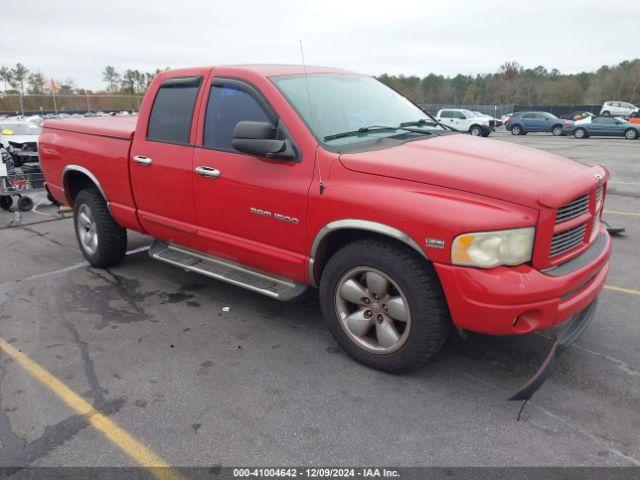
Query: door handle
[(208, 171), (142, 160)]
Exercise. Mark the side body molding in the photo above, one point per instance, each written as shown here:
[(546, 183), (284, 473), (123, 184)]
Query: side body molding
[(78, 168), (357, 224)]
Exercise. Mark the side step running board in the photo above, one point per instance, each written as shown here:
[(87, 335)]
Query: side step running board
[(227, 271)]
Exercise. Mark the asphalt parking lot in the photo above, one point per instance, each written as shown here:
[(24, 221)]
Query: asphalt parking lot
[(203, 373)]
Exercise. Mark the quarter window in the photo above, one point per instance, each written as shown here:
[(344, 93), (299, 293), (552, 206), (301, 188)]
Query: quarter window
[(227, 106), (172, 112)]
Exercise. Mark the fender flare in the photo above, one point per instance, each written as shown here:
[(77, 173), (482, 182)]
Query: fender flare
[(358, 224), (91, 176)]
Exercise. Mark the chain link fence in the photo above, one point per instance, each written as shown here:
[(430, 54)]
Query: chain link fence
[(46, 104)]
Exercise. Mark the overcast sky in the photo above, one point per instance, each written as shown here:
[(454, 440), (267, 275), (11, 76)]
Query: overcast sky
[(76, 39)]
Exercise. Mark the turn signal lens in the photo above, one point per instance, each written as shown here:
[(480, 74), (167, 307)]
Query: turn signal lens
[(490, 249)]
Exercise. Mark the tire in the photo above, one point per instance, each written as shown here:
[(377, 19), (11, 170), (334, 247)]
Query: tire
[(516, 130), (630, 134), (413, 281), (6, 202), (486, 133), (475, 130), (557, 130), (580, 133), (101, 240), (25, 204), (606, 113)]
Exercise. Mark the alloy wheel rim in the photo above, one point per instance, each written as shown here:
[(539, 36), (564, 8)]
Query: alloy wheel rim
[(87, 231), (631, 135), (372, 310)]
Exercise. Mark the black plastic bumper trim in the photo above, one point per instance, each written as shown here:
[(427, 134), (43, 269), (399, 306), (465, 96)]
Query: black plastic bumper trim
[(566, 337), (588, 256)]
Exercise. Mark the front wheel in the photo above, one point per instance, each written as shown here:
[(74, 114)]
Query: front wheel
[(384, 305), (25, 204), (102, 241), (606, 113), (630, 134), (580, 133), (516, 130)]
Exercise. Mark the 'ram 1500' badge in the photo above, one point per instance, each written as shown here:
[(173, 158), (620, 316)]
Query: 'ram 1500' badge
[(275, 216)]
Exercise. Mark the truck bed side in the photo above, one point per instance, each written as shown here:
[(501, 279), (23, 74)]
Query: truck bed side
[(97, 149)]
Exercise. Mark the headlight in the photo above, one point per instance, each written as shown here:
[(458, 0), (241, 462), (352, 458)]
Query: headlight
[(490, 249)]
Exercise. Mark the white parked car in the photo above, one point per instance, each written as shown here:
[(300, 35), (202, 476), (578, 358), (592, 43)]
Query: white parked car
[(464, 121), (618, 109)]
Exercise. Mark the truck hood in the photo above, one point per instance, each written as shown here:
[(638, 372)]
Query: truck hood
[(491, 168)]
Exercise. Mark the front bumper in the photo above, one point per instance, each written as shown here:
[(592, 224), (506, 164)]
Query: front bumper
[(518, 300), (565, 338)]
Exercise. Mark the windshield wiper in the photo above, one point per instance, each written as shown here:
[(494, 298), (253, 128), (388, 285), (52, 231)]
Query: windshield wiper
[(373, 128), (424, 122)]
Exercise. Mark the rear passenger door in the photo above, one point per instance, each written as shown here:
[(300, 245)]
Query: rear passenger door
[(160, 166), (528, 122)]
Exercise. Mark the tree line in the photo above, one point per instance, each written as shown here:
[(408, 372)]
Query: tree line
[(20, 80), (511, 84), (514, 84)]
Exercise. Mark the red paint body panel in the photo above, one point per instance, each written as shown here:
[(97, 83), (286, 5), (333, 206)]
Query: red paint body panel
[(438, 188)]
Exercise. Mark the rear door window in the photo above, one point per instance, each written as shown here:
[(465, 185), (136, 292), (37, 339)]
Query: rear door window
[(172, 112)]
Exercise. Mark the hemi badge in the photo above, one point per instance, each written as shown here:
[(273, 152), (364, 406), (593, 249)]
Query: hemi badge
[(435, 243)]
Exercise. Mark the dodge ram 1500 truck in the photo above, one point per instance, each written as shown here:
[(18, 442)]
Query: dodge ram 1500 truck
[(276, 178)]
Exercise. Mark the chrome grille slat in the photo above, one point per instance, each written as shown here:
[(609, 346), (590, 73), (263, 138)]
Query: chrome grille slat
[(561, 239), (573, 209), (564, 241), (567, 240)]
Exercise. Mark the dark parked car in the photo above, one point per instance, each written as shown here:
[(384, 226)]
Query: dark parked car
[(576, 115), (522, 123), (603, 126)]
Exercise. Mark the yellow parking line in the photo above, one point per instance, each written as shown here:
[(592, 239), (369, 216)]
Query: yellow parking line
[(613, 212), (623, 290), (125, 442)]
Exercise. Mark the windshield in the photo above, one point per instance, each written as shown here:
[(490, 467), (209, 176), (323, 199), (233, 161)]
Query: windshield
[(347, 103), (19, 129)]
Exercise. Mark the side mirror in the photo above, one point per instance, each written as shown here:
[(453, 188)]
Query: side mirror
[(259, 138)]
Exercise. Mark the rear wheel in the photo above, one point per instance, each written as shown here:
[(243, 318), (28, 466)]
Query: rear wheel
[(580, 133), (557, 130), (6, 202), (102, 241), (630, 134), (516, 130), (384, 305)]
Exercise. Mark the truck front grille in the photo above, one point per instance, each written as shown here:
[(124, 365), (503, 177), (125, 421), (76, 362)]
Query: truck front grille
[(565, 241), (573, 209)]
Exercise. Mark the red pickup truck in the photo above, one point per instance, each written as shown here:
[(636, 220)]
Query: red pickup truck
[(275, 178)]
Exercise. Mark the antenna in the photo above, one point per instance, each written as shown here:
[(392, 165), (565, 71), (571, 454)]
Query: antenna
[(306, 79)]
